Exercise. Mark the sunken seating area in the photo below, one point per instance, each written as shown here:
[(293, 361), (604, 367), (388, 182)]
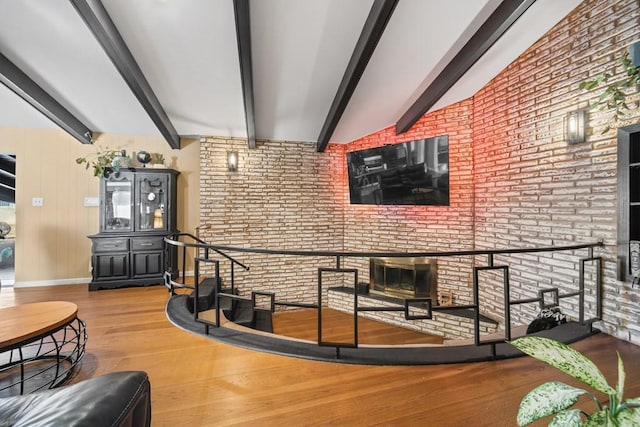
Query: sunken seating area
[(241, 312), (427, 354)]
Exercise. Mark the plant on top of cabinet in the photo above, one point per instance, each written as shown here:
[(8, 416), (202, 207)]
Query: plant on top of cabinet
[(103, 159), (158, 159)]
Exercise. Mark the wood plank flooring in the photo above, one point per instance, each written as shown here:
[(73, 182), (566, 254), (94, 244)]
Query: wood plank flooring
[(199, 382)]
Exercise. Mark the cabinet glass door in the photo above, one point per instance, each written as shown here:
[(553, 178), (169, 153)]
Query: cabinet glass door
[(118, 195), (152, 202)]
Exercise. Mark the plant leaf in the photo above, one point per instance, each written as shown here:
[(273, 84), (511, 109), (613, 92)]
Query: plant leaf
[(629, 417), (547, 399), (621, 378), (633, 402), (588, 85), (570, 418), (566, 359), (598, 419)]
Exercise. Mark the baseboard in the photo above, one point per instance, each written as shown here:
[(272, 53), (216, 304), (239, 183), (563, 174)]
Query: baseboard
[(37, 283), (76, 281)]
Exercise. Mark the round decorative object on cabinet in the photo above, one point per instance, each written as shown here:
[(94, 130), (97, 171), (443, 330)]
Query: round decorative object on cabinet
[(143, 157)]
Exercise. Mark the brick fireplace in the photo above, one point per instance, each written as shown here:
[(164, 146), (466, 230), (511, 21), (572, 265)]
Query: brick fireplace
[(404, 277)]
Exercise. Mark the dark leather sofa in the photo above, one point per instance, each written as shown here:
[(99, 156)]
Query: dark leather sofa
[(117, 399)]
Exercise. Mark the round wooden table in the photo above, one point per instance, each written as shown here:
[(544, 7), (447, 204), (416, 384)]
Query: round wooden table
[(40, 345)]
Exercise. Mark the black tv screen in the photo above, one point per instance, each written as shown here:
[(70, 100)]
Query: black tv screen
[(408, 173)]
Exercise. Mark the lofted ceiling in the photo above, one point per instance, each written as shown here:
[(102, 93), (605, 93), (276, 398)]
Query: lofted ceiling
[(292, 78)]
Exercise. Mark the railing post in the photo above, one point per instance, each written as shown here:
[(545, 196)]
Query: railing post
[(476, 298), (196, 288), (599, 288), (319, 305), (507, 304), (217, 297), (581, 292), (233, 279), (184, 264), (321, 341), (218, 280), (598, 284), (355, 308)]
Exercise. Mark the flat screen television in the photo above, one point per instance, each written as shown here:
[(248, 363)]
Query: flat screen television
[(408, 173)]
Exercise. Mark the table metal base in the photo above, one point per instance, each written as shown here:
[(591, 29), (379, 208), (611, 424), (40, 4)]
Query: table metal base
[(44, 362)]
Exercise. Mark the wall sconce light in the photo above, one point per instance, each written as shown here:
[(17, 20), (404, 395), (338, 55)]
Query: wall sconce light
[(232, 161), (575, 125)]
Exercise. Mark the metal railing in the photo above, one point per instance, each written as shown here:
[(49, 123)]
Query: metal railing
[(413, 308)]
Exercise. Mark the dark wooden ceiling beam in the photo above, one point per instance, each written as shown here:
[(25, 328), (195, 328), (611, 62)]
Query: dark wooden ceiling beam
[(372, 31), (243, 33), (18, 82), (99, 22), (493, 28)]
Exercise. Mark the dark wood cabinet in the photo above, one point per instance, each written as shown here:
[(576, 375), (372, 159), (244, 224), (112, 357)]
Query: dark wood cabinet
[(137, 210)]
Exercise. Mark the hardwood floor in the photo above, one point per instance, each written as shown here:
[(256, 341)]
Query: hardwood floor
[(199, 382)]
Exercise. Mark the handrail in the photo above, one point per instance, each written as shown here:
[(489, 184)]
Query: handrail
[(220, 248), (201, 244)]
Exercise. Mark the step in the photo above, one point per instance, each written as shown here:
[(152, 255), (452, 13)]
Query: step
[(244, 314), (206, 295), (263, 320)]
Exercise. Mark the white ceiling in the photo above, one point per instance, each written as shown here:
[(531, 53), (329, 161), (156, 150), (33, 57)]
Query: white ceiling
[(187, 50)]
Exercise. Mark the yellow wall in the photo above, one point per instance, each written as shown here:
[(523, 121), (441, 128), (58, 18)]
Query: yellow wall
[(51, 243)]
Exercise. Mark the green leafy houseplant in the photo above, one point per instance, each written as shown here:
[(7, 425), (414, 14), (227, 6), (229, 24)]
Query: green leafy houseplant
[(555, 397), (158, 159), (103, 159), (614, 96)]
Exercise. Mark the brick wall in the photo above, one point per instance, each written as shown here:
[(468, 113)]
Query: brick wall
[(284, 196), (534, 189), (514, 181)]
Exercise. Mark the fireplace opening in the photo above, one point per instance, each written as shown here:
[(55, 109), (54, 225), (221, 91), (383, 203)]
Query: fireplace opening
[(406, 277)]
